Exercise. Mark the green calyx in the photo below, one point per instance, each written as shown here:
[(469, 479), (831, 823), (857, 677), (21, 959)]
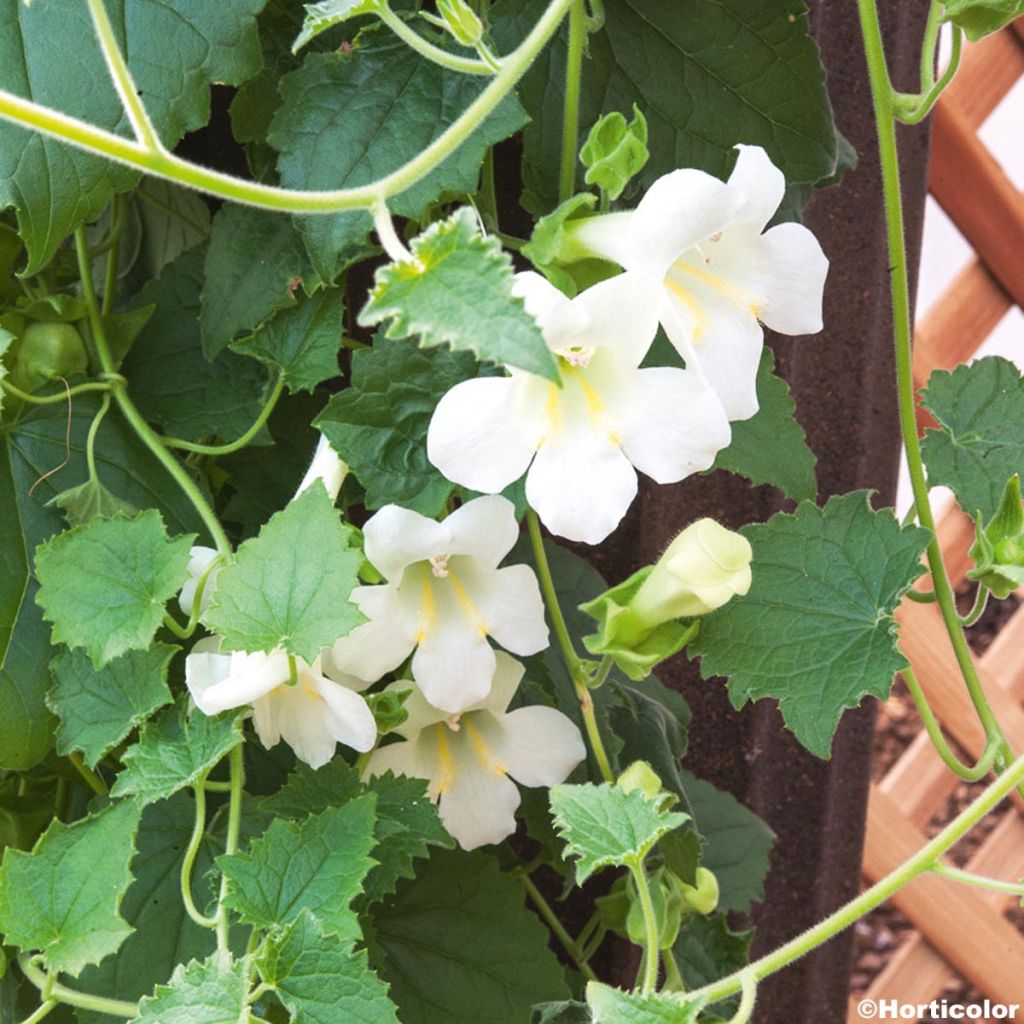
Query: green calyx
[(998, 548), (615, 152), (634, 643), (461, 21)]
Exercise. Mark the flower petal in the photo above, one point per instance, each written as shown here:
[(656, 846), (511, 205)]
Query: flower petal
[(218, 682), (507, 677), (454, 664), (581, 485), (484, 528), (538, 746), (680, 210), (302, 724), (621, 315), (484, 432), (398, 758), (396, 537), (763, 185), (478, 805), (556, 314), (717, 332), (377, 646), (348, 717), (794, 269), (198, 559), (509, 600), (325, 467), (678, 425)]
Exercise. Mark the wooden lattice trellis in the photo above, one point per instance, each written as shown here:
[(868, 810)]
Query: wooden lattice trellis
[(961, 932)]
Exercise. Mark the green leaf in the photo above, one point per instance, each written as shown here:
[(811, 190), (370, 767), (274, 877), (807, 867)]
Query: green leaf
[(458, 946), (62, 899), (49, 53), (85, 502), (349, 119), (323, 981), (255, 263), (164, 934), (980, 410), (771, 447), (302, 341), (212, 992), (406, 826), (603, 826), (707, 949), (612, 1006), (289, 587), (727, 71), (379, 424), (261, 481), (316, 864), (738, 844), (104, 585), (179, 389), (173, 751), (173, 219), (979, 18), (816, 631), (36, 445), (457, 291), (563, 1012), (328, 13), (99, 707)]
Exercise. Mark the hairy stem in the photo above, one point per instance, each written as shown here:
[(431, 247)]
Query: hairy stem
[(884, 106), (923, 861), (237, 776), (83, 1000), (571, 109), (188, 861), (557, 928), (651, 943), (162, 164)]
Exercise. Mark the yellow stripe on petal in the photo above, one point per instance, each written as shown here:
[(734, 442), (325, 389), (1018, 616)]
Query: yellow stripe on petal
[(446, 771), (466, 603), (482, 751), (728, 291)]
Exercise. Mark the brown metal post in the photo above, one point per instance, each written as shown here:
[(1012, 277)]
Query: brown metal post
[(844, 384)]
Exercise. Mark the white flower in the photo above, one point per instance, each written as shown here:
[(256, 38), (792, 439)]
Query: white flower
[(582, 441), (311, 714), (444, 596), (468, 758), (325, 467), (720, 275), (199, 559)]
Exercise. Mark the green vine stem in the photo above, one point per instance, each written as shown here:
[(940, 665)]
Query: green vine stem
[(412, 39), (146, 434), (922, 862), (258, 424), (92, 780), (651, 959), (82, 1000), (978, 881), (967, 772), (62, 396), (557, 928), (571, 109), (154, 159), (884, 100), (237, 777), (573, 662), (191, 851)]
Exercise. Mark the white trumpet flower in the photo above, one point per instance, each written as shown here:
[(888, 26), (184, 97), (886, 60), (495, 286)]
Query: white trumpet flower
[(310, 712), (444, 596), (470, 759), (702, 244), (581, 444)]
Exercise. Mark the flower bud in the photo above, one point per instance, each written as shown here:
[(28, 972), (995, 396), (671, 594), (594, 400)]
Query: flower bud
[(640, 776), (326, 467), (703, 896), (998, 549), (703, 568), (462, 21)]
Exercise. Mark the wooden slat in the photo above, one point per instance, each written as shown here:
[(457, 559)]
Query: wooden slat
[(1005, 657), (917, 973), (959, 321), (963, 172), (964, 927), (988, 71)]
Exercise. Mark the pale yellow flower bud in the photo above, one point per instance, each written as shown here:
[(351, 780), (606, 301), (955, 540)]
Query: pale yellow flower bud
[(703, 568)]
